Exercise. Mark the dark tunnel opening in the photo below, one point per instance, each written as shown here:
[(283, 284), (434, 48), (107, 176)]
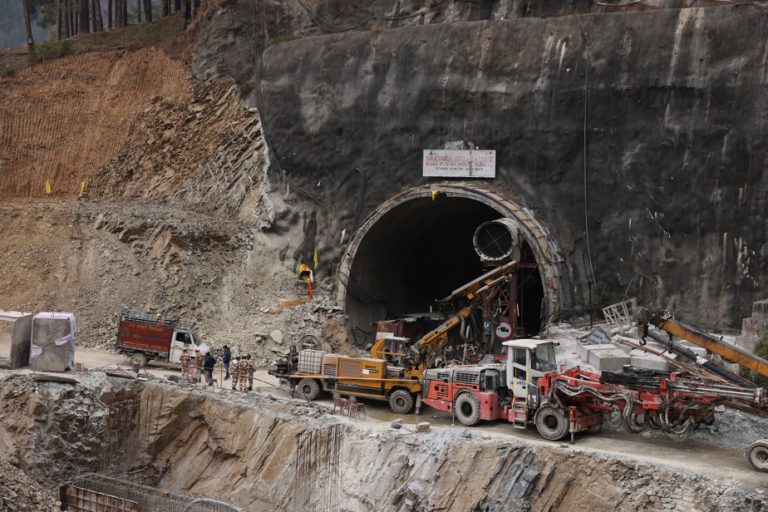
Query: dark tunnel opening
[(420, 251)]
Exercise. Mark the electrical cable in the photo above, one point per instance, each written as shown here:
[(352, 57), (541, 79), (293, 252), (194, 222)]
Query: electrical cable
[(584, 149)]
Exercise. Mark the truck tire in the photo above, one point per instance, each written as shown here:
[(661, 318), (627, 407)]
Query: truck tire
[(467, 409), (308, 388), (551, 423), (401, 401), (138, 360), (757, 454)]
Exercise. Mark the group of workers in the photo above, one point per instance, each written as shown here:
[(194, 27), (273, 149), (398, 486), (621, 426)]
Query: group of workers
[(240, 369), (204, 365)]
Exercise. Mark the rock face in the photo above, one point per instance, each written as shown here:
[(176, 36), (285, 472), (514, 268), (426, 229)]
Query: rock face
[(264, 453), (51, 430), (669, 105), (280, 455)]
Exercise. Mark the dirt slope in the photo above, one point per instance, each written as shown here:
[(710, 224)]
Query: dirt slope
[(62, 119)]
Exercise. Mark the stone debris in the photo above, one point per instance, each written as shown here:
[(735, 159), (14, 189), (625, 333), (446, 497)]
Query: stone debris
[(20, 492)]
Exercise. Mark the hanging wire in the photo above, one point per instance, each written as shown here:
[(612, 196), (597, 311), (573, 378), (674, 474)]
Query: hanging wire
[(584, 150)]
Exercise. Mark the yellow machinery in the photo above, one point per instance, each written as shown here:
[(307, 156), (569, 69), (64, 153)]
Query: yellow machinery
[(395, 368), (664, 321), (424, 351)]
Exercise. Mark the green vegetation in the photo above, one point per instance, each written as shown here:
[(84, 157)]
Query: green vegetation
[(50, 50), (761, 349), (283, 39), (160, 32)]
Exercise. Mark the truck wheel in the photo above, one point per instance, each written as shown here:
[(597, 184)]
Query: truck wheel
[(467, 409), (308, 388), (401, 401), (551, 423), (757, 454), (138, 360)]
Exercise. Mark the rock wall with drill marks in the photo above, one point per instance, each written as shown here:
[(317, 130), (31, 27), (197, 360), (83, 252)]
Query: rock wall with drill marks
[(675, 121), (263, 453), (267, 454)]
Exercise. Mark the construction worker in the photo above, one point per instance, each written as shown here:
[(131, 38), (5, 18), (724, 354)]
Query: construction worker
[(251, 371), (209, 364), (234, 370), (198, 365), (245, 368), (226, 358), (185, 364), (306, 275), (242, 368)]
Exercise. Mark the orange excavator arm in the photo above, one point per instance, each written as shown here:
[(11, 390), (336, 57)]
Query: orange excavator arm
[(426, 349), (664, 321)]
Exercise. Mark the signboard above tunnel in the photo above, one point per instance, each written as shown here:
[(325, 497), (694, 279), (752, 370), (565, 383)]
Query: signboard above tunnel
[(455, 163)]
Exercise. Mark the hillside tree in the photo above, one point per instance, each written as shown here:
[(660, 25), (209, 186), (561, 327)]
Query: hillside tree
[(28, 26)]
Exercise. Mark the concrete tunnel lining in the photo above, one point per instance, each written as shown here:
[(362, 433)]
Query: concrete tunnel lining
[(382, 272)]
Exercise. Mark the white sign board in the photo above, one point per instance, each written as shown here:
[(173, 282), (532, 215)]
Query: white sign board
[(455, 163)]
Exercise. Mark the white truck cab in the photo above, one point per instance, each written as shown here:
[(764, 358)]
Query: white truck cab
[(527, 360), (183, 338)]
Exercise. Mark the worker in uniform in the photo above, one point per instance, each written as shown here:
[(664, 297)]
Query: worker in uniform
[(198, 364), (234, 371), (243, 370), (251, 371), (185, 364)]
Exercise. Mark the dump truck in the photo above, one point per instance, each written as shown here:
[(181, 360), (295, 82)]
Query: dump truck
[(394, 370), (531, 390), (147, 336)]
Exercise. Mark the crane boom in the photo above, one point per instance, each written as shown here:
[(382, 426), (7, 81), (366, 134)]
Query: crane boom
[(663, 320)]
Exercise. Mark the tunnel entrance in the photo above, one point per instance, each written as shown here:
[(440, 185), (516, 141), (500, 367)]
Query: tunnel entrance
[(420, 249)]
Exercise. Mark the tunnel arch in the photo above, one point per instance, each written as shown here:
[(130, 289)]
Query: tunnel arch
[(384, 263)]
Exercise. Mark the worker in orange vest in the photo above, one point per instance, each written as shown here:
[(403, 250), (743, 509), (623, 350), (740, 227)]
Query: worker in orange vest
[(306, 275)]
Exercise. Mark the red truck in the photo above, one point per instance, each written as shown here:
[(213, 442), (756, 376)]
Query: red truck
[(147, 336)]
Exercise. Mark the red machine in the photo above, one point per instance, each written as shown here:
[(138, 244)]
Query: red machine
[(530, 389)]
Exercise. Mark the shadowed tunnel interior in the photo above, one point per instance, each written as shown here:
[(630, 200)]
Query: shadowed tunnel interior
[(418, 252)]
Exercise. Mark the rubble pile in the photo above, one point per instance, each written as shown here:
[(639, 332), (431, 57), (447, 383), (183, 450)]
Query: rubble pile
[(52, 430), (20, 492)]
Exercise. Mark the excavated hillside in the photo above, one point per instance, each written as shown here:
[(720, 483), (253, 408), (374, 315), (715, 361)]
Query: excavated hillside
[(174, 209)]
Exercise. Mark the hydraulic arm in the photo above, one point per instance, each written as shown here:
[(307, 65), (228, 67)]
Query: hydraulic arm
[(663, 320)]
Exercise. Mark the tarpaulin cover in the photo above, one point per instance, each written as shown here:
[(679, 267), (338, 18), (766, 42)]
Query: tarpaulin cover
[(53, 342)]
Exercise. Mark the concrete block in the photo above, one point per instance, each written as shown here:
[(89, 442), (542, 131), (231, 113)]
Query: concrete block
[(422, 426), (645, 361), (760, 310), (22, 334), (598, 336), (612, 359), (583, 350), (53, 345)]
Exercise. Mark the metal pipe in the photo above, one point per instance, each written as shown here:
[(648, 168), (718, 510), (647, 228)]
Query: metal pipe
[(498, 240), (731, 377)]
